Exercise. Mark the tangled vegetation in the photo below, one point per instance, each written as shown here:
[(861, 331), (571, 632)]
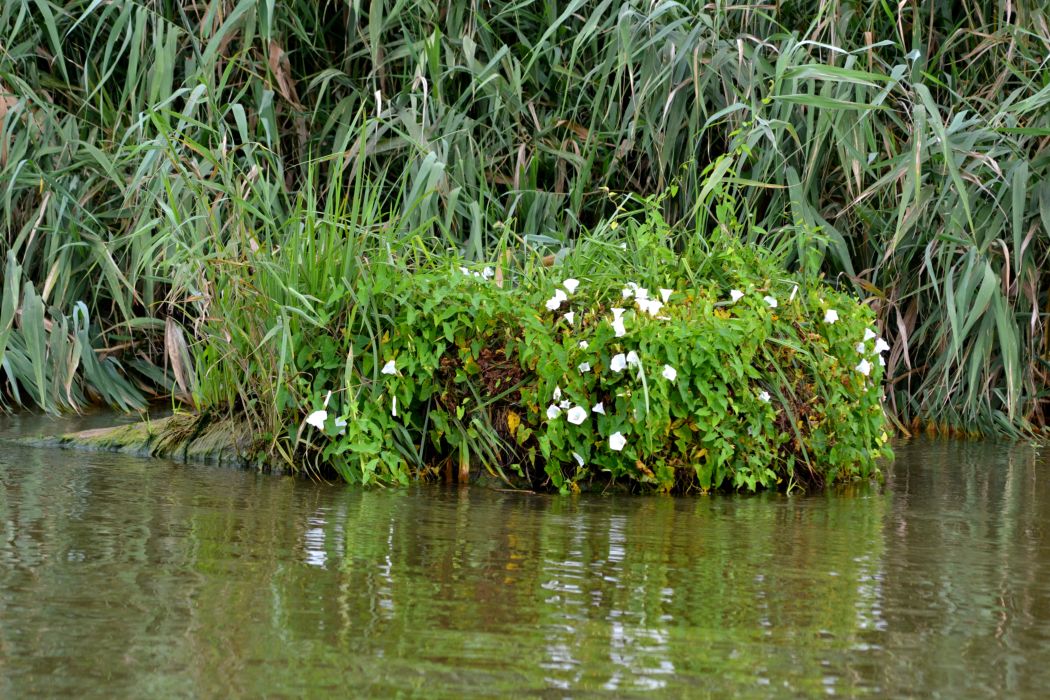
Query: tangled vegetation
[(179, 182)]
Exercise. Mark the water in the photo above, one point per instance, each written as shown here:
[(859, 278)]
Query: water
[(123, 577)]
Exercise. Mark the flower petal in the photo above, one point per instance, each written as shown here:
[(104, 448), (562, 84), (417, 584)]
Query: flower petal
[(772, 301), (571, 284), (598, 408), (670, 373), (736, 295), (570, 317), (665, 294), (390, 367), (584, 367), (617, 441), (830, 316), (864, 367), (618, 362), (553, 412), (764, 397), (317, 419)]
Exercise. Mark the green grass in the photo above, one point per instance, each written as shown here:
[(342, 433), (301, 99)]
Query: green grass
[(151, 150)]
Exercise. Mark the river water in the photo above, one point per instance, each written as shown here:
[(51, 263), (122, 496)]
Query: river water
[(123, 577)]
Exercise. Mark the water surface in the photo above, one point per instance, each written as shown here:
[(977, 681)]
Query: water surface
[(124, 577)]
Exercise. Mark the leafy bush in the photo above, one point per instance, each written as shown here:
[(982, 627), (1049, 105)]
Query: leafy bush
[(676, 372)]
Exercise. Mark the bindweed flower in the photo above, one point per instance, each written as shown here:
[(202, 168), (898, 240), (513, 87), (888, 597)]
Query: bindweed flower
[(341, 424), (564, 404), (864, 367), (665, 294), (627, 292), (764, 397), (584, 345), (830, 316), (557, 393), (393, 406), (618, 328), (869, 334), (617, 441), (555, 301), (617, 313), (882, 361), (860, 348), (317, 419), (553, 412), (488, 273), (389, 368), (584, 367), (881, 346), (577, 414), (736, 295), (618, 362), (578, 458), (598, 408), (794, 291), (670, 373), (571, 284), (570, 317), (465, 271), (632, 358), (772, 301)]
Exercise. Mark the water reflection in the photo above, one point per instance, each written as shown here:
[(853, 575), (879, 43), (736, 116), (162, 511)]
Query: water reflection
[(123, 576)]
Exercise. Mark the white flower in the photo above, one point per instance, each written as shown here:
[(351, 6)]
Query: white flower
[(627, 292), (570, 317), (860, 348), (389, 368), (555, 301), (317, 419), (577, 414), (557, 393), (665, 294), (598, 408), (341, 424), (618, 328), (794, 291), (617, 313), (650, 306), (764, 397), (488, 273), (617, 441), (584, 367), (564, 404), (632, 358), (578, 458), (465, 271), (670, 373), (869, 334), (641, 293), (772, 301), (571, 284), (618, 362), (553, 412), (882, 361), (735, 295), (864, 367), (831, 315), (881, 346), (393, 406), (584, 344)]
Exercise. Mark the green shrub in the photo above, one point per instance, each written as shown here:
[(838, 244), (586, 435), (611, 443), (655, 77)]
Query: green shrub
[(536, 381)]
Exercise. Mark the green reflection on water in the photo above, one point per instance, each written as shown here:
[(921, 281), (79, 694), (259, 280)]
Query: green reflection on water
[(131, 577)]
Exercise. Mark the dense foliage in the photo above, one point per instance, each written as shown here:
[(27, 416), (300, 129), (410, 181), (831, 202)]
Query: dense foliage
[(154, 153)]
